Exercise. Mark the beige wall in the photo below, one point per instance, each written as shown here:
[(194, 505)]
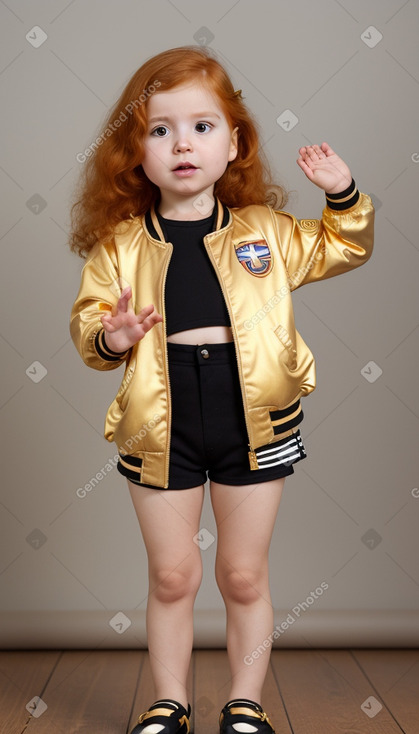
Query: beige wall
[(348, 516)]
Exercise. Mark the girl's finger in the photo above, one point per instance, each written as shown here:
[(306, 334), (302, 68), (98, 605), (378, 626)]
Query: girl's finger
[(122, 304), (314, 152), (327, 149), (150, 321), (146, 311), (108, 326), (304, 167), (319, 151)]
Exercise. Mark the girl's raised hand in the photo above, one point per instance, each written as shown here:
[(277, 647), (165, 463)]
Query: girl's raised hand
[(324, 168), (123, 327)]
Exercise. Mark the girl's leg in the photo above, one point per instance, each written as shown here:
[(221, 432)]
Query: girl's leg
[(169, 519), (245, 518)]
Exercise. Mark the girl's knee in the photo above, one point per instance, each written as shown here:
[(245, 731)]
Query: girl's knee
[(242, 586), (170, 585)]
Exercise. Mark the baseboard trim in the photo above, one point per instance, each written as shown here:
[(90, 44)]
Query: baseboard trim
[(313, 628)]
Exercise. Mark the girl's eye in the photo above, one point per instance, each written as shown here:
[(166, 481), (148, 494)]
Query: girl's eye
[(202, 125), (160, 131)]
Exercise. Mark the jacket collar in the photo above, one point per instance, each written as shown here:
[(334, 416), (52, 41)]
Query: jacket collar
[(153, 228)]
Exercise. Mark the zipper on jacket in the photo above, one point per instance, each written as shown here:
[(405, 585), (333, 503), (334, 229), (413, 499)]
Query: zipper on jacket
[(169, 395), (253, 459), (252, 455)]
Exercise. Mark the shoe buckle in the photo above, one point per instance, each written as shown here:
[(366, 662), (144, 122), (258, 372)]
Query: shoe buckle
[(147, 714), (162, 711), (265, 717), (184, 720)]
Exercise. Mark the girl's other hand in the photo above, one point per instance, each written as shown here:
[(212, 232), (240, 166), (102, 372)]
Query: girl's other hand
[(324, 168), (124, 327)]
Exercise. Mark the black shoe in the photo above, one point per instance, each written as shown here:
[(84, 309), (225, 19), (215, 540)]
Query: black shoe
[(244, 711), (169, 714)]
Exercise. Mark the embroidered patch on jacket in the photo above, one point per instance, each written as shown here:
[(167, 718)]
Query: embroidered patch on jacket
[(255, 257)]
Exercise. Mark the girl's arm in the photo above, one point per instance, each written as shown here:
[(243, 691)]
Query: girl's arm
[(102, 325), (343, 239), (95, 298)]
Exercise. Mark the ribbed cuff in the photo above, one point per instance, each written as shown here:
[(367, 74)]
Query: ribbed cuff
[(345, 199), (104, 352)]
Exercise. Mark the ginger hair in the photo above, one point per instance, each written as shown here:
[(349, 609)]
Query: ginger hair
[(113, 185)]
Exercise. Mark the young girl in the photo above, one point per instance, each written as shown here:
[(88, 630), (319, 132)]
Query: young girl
[(188, 278)]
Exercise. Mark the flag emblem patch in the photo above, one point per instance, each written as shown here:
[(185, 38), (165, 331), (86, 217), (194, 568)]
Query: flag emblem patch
[(255, 257)]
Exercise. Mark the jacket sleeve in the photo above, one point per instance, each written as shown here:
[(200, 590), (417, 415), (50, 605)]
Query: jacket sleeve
[(316, 249), (99, 291)]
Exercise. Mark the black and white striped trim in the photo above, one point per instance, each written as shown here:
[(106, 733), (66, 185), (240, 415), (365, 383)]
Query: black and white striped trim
[(287, 451)]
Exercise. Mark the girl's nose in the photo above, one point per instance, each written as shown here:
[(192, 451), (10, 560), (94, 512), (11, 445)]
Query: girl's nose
[(183, 144)]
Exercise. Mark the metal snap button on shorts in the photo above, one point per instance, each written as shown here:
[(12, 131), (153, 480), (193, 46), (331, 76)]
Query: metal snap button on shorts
[(208, 426)]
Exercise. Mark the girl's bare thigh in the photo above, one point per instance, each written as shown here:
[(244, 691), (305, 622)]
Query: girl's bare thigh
[(245, 518), (169, 521)]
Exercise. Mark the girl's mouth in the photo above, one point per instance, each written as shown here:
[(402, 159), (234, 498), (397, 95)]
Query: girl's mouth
[(185, 169), (184, 164)]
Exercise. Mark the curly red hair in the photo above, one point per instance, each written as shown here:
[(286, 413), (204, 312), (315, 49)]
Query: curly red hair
[(113, 184)]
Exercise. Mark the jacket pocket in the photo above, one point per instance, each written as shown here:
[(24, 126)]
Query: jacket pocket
[(121, 396), (289, 353), (297, 361)]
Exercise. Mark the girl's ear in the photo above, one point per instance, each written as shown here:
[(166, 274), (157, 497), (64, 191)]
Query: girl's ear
[(233, 144)]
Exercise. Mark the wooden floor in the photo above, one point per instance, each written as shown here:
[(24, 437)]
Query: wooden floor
[(306, 691)]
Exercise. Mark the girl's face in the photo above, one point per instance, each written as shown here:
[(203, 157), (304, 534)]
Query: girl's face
[(186, 126)]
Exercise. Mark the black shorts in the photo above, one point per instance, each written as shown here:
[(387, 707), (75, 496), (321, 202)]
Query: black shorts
[(208, 425)]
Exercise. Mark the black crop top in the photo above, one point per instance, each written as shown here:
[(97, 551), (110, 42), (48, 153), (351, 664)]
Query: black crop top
[(193, 294)]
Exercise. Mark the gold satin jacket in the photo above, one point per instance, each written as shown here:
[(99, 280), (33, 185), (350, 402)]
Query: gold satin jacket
[(260, 256)]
